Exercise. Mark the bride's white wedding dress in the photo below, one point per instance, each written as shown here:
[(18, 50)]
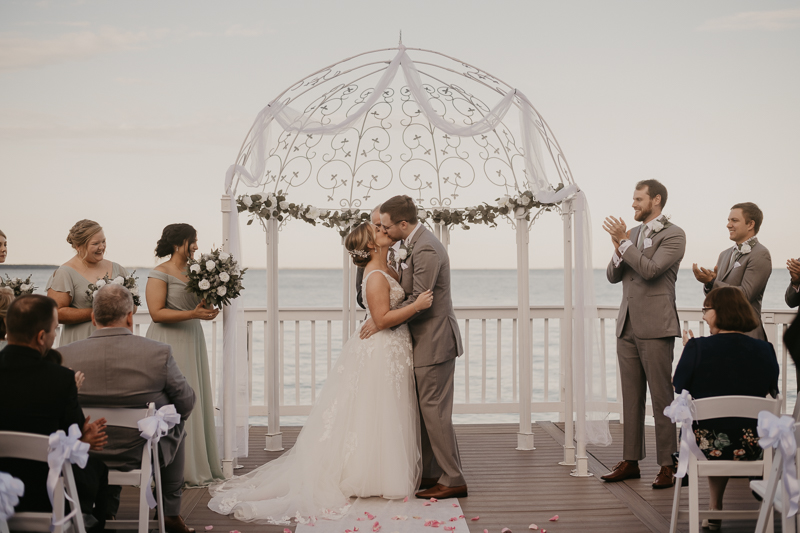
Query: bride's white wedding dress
[(361, 438)]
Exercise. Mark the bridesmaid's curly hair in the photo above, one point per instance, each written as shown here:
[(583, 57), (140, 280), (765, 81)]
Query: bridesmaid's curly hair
[(357, 242), (172, 236), (82, 232)]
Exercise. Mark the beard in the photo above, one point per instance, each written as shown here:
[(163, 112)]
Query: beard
[(643, 214)]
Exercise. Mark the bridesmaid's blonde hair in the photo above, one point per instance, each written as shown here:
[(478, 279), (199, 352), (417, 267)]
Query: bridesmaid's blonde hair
[(81, 233)]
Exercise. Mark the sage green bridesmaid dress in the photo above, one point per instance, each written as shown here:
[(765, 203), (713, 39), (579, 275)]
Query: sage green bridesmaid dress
[(67, 279), (188, 343)]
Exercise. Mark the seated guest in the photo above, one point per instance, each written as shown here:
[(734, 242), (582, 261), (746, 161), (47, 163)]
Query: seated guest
[(6, 297), (793, 291), (727, 363), (37, 396), (125, 370)]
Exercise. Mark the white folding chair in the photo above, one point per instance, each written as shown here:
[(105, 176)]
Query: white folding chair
[(129, 418), (34, 447), (722, 407)]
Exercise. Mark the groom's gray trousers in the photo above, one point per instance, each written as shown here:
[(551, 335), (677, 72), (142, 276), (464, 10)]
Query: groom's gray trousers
[(440, 457)]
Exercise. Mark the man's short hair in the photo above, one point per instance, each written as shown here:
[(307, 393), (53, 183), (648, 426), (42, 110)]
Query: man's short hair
[(28, 315), (654, 188), (751, 212), (111, 303), (400, 208), (734, 312)]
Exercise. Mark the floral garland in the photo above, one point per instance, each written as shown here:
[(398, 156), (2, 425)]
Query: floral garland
[(265, 206)]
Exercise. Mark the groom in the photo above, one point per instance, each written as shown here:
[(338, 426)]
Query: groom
[(437, 343)]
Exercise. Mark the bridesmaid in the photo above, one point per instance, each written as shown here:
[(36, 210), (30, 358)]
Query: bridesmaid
[(68, 285), (3, 247), (176, 316), (6, 297)]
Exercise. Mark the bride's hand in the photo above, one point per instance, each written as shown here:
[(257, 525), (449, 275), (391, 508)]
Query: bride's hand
[(204, 314), (424, 300)]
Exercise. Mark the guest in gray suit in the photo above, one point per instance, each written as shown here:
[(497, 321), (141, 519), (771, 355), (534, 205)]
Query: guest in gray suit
[(793, 290), (437, 343), (646, 260), (126, 370), (746, 265)]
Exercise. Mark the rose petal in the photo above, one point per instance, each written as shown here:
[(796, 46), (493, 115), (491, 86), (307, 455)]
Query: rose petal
[(449, 528), (505, 530), (370, 515), (416, 517), (405, 500), (427, 504), (209, 528), (554, 519), (533, 526), (455, 505), (287, 530), (434, 500), (544, 531), (454, 519), (485, 531), (475, 519)]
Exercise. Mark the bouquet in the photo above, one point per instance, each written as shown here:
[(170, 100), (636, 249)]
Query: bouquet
[(215, 278), (18, 285), (129, 283)]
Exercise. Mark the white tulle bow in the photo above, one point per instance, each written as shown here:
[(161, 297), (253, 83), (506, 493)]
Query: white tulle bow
[(152, 429), (774, 432), (64, 447), (11, 489), (682, 410)]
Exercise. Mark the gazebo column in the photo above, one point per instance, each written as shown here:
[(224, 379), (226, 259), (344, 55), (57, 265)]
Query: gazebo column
[(274, 440), (228, 360), (582, 460), (525, 435), (566, 338)]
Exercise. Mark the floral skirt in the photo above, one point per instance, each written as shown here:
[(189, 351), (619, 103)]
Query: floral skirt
[(728, 439)]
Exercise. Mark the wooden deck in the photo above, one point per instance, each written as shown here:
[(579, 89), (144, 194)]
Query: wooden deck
[(510, 488)]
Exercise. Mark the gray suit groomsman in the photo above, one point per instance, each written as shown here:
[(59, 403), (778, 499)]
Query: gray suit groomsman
[(125, 370), (437, 343), (746, 265), (793, 290), (646, 261)]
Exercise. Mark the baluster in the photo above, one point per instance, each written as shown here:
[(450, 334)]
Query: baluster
[(297, 362), (514, 359), (483, 360), (546, 359), (266, 383), (466, 361), (282, 336), (499, 359), (313, 362)]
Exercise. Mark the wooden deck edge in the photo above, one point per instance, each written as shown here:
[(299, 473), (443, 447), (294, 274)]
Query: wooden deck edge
[(648, 515)]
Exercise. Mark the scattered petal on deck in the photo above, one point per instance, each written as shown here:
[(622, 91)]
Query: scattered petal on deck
[(434, 500), (554, 519), (475, 518), (455, 505), (209, 528), (405, 500), (533, 526)]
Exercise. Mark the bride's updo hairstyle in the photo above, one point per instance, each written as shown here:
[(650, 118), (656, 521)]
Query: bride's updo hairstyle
[(82, 232), (174, 236), (357, 242), (400, 209)]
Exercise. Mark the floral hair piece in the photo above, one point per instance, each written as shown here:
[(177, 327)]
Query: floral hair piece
[(359, 253)]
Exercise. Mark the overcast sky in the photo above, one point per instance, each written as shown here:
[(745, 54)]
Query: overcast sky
[(129, 113)]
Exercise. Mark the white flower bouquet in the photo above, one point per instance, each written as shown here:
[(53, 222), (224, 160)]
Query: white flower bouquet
[(18, 285), (129, 283), (215, 278)]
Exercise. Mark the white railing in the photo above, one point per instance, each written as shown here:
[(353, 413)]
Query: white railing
[(486, 375)]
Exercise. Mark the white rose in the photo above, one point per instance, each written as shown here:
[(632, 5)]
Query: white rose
[(422, 214), (503, 201), (402, 253), (210, 265), (195, 268), (221, 291), (284, 205), (746, 249), (224, 256), (247, 201), (524, 200), (224, 277), (323, 212), (100, 283), (204, 285), (134, 291), (657, 226), (94, 294), (272, 200), (24, 287), (119, 280), (312, 212)]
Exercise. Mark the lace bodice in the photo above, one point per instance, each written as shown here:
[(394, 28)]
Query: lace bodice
[(396, 292)]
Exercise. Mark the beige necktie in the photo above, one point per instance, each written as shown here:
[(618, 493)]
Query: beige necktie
[(641, 237)]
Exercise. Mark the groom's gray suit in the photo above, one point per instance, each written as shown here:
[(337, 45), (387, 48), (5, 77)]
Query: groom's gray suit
[(646, 329), (437, 343)]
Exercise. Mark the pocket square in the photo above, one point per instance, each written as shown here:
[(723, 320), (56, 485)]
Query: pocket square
[(737, 264), (648, 242), (403, 266)]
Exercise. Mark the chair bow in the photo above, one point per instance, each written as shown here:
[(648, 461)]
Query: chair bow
[(774, 432), (682, 410), (65, 447), (11, 489), (152, 429)]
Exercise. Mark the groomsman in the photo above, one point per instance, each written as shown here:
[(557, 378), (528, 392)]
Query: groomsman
[(746, 265), (376, 221), (646, 260), (793, 291)]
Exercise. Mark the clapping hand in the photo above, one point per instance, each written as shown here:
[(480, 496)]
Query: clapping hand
[(203, 313), (79, 379), (704, 275), (687, 334), (617, 229), (94, 433), (793, 265)]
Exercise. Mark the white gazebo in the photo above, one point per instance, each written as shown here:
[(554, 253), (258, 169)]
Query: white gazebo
[(332, 145)]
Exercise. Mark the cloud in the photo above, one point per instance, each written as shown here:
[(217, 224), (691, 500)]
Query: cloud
[(777, 20), (18, 52)]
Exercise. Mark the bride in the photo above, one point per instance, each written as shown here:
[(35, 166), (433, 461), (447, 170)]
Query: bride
[(362, 436)]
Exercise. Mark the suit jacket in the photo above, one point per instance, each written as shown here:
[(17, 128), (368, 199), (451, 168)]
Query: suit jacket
[(125, 370), (36, 396), (751, 276), (434, 331), (792, 296), (648, 284)]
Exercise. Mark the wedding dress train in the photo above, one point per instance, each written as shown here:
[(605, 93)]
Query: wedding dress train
[(361, 438)]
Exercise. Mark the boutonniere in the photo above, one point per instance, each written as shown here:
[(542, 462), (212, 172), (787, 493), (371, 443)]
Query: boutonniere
[(403, 253), (660, 223), (746, 247)]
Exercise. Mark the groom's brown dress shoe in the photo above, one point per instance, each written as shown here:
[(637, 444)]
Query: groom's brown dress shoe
[(440, 492), (175, 524), (428, 482), (665, 478), (623, 470)]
